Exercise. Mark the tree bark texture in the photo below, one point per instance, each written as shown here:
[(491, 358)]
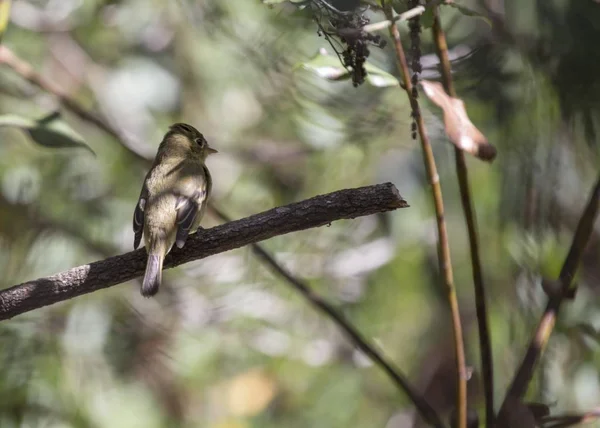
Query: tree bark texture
[(313, 212)]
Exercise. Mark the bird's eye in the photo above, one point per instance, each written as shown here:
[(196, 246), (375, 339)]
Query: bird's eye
[(199, 141)]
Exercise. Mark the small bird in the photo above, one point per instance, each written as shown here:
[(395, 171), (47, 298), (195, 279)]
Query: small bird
[(173, 198)]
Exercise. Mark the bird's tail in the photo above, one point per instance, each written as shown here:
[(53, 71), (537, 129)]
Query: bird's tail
[(153, 275)]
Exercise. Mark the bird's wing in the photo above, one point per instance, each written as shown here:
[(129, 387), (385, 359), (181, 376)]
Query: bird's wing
[(138, 216), (193, 192)]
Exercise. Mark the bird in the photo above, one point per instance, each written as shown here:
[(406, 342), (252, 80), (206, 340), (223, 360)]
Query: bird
[(173, 198)]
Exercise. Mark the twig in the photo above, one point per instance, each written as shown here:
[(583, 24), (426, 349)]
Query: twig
[(485, 346), (361, 342), (543, 331), (443, 245), (26, 71), (404, 16), (314, 212), (563, 421)]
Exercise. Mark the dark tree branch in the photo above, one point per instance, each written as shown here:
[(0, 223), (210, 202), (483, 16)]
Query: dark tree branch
[(314, 212)]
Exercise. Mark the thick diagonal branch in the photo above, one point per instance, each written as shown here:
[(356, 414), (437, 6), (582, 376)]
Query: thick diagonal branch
[(314, 212)]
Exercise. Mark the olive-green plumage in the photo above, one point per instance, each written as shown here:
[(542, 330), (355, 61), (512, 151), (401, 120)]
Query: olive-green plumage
[(173, 198)]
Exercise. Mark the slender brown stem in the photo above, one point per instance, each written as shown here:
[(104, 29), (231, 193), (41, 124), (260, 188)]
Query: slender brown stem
[(26, 71), (543, 331), (361, 342), (485, 346), (443, 245)]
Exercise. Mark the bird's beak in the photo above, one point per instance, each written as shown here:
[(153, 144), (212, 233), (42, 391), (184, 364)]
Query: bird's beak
[(211, 150)]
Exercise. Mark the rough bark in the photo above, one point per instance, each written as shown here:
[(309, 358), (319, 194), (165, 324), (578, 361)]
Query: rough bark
[(314, 212)]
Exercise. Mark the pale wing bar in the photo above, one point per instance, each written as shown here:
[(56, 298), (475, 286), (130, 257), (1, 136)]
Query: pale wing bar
[(138, 222)]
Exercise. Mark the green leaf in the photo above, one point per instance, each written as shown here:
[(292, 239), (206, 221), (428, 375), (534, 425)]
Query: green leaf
[(427, 18), (326, 66), (329, 67), (50, 131), (4, 16), (379, 78), (468, 12)]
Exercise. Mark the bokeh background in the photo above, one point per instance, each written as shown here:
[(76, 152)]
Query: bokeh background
[(226, 344)]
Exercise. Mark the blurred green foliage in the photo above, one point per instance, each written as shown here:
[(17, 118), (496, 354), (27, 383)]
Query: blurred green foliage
[(226, 344)]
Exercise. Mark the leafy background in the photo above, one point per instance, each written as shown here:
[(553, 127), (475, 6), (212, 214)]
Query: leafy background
[(226, 344)]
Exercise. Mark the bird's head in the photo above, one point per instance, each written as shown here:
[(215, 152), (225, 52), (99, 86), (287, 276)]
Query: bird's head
[(184, 137)]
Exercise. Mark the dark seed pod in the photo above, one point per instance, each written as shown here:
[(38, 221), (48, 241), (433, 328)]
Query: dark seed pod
[(344, 22), (414, 26)]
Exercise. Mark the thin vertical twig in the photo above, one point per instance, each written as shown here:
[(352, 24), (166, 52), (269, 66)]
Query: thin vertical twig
[(485, 347), (443, 245), (544, 329), (427, 412)]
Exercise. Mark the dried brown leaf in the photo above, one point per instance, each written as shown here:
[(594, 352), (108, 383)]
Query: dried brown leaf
[(459, 128)]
